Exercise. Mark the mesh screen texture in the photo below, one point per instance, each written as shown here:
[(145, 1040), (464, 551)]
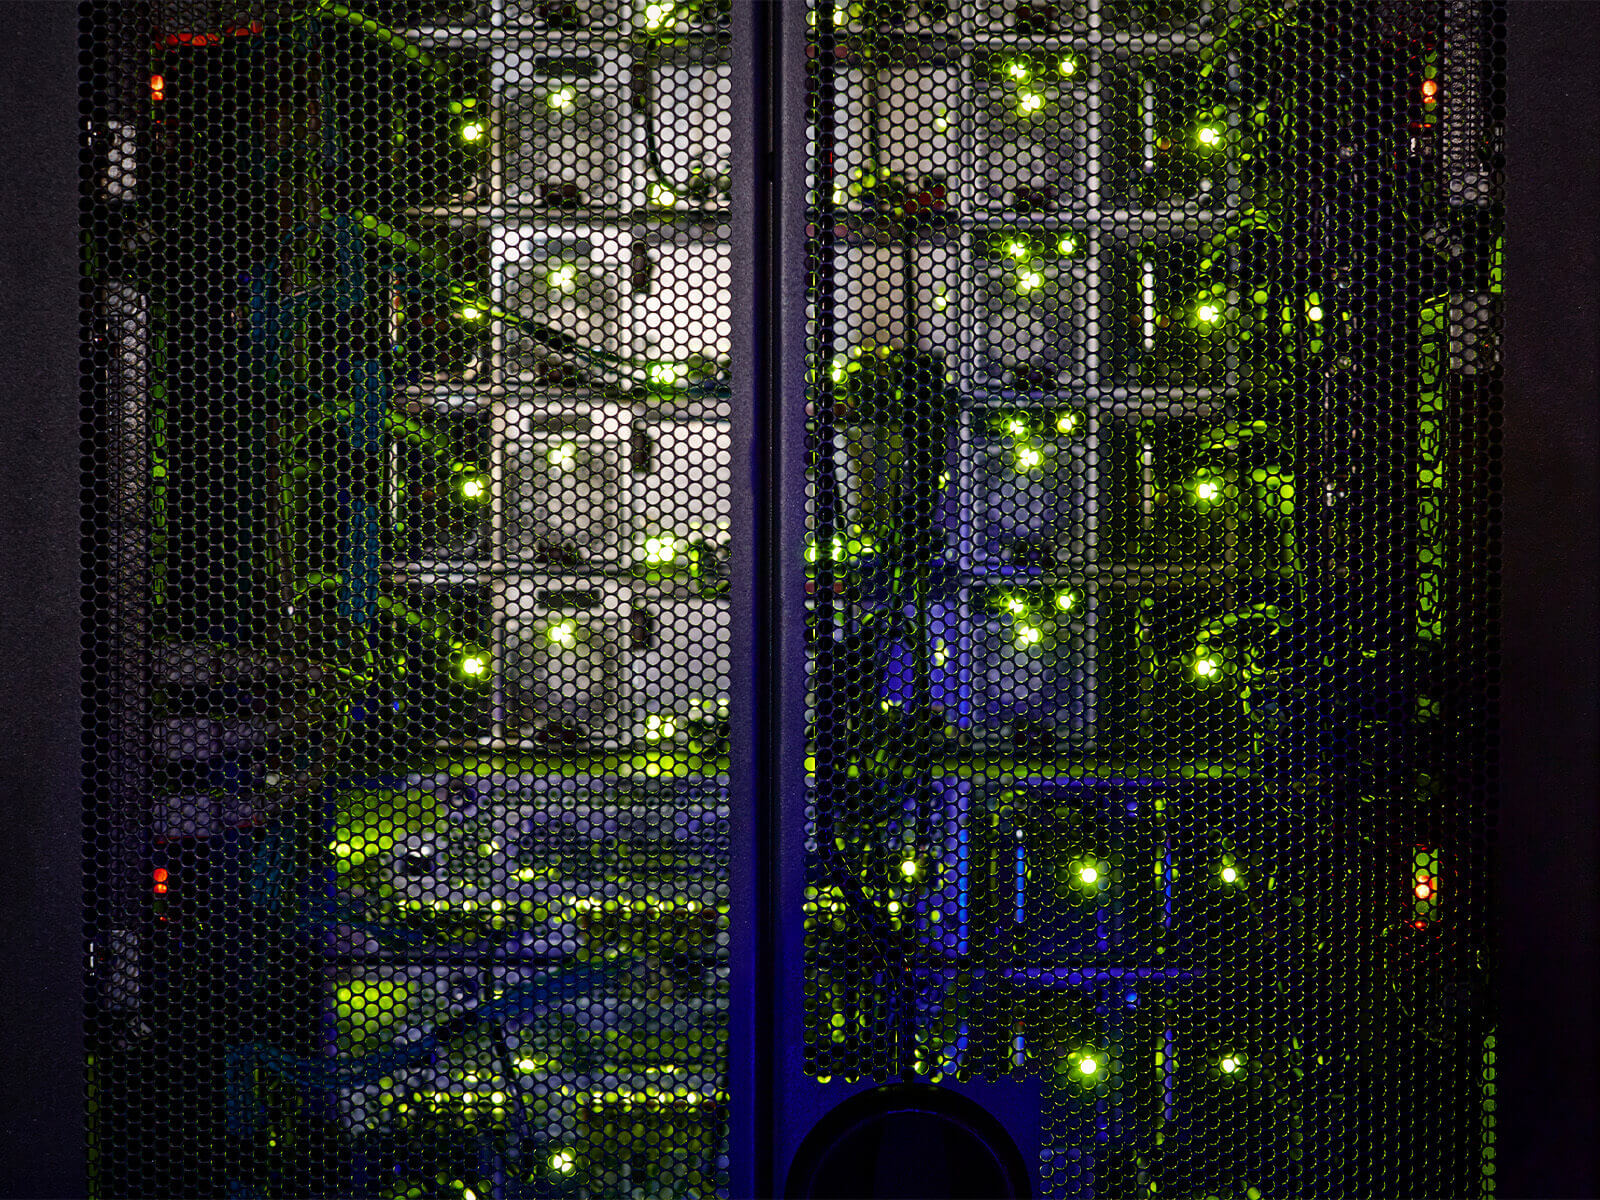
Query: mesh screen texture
[(1153, 440), (407, 561)]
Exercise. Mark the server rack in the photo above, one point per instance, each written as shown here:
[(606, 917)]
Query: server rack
[(125, 319)]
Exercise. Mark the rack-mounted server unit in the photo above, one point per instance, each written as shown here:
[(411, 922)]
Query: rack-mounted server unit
[(880, 597)]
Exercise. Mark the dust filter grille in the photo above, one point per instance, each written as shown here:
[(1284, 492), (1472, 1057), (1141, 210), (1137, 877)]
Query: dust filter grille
[(408, 415), (1152, 480)]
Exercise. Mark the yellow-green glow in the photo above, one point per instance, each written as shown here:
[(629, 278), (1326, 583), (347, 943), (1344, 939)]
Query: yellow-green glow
[(1015, 605), (563, 98), (910, 868), (1208, 135), (1229, 874), (563, 278), (475, 665), (1088, 1066), (565, 1162), (1067, 67), (1067, 422), (1018, 70), (562, 456), (662, 196), (659, 728), (1029, 635), (1029, 458), (1230, 1064), (1029, 281), (657, 16), (668, 373), (1016, 427), (1089, 874), (1207, 490), (1205, 667), (660, 549), (1208, 314), (563, 633), (1018, 249), (474, 131), (1029, 103), (1314, 312), (473, 487), (1067, 244), (471, 312), (1066, 601)]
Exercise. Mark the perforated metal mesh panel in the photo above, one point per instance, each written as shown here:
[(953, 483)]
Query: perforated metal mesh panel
[(1152, 415), (407, 596)]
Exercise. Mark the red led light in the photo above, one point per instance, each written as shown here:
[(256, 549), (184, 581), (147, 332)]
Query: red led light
[(158, 87), (160, 877), (1430, 89)]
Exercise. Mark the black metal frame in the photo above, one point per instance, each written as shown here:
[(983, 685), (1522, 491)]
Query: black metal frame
[(1550, 616), (1546, 900), (41, 914)]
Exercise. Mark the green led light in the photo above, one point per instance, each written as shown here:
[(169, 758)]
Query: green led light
[(563, 98), (1208, 491), (475, 665), (659, 728), (1066, 601), (1206, 667), (1314, 312), (1208, 314), (1029, 281), (1229, 874), (1087, 1065), (1089, 874), (471, 312), (660, 550), (910, 868), (563, 456), (564, 1162), (563, 278), (1018, 70), (1016, 427), (473, 487), (474, 131), (1018, 249), (1029, 458), (1230, 1064), (1029, 103), (563, 633), (1067, 422), (1067, 245), (1029, 635), (657, 17), (662, 196), (1015, 605), (669, 374), (1067, 67), (1208, 135)]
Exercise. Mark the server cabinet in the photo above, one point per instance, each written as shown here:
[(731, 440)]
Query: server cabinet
[(821, 599)]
